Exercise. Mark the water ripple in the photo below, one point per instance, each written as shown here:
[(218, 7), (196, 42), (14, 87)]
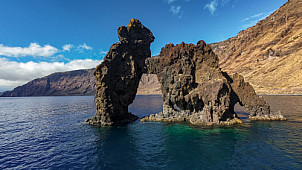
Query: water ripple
[(49, 133)]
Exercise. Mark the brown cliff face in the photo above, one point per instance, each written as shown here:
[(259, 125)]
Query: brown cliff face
[(119, 74), (269, 54), (149, 85), (194, 88), (78, 82)]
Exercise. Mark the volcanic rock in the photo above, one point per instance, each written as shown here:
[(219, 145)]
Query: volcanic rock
[(119, 74), (195, 89)]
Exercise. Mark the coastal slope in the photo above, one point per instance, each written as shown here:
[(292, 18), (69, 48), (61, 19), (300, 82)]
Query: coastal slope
[(74, 83), (269, 54), (78, 82)]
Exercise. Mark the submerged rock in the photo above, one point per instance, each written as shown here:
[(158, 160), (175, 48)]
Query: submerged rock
[(119, 74)]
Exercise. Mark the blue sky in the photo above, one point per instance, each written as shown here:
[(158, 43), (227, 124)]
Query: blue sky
[(39, 37)]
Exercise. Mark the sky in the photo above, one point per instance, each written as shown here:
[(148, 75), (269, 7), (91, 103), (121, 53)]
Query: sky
[(40, 37)]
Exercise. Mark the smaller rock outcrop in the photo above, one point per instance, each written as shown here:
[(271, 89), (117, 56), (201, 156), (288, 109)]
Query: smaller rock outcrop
[(119, 74), (256, 105)]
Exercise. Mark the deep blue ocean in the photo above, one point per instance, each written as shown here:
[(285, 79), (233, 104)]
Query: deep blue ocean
[(50, 133)]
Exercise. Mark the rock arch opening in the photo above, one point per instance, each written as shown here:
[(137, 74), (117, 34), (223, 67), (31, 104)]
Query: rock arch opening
[(241, 111), (149, 85), (148, 99)]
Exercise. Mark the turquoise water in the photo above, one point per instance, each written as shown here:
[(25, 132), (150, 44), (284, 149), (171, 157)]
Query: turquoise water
[(49, 133)]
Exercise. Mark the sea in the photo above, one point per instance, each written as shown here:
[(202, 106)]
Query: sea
[(51, 133)]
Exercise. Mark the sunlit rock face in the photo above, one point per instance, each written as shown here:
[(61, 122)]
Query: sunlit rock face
[(119, 74)]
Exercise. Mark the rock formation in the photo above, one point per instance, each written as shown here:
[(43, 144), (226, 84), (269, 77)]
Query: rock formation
[(193, 86), (195, 89), (119, 74)]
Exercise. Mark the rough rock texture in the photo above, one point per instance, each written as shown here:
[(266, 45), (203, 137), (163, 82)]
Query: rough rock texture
[(75, 83), (193, 86), (195, 89), (119, 74), (268, 55)]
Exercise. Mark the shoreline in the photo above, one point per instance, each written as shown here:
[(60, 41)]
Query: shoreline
[(279, 94), (260, 94)]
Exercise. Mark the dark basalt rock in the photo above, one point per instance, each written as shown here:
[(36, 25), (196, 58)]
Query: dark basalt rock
[(193, 86), (196, 90), (119, 74)]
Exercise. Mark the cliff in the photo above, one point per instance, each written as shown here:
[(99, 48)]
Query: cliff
[(269, 54), (79, 82), (74, 83)]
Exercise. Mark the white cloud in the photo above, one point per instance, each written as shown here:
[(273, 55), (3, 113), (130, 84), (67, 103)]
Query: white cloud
[(33, 49), (84, 46), (9, 85), (245, 19), (257, 15), (67, 47), (249, 24), (14, 73), (79, 48), (103, 52), (212, 6), (254, 19), (251, 17), (58, 58), (175, 9)]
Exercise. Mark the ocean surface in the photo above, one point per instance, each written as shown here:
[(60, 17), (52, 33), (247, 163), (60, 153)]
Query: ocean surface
[(50, 133)]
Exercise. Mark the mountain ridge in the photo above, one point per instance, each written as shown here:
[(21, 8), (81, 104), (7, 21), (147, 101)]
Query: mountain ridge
[(269, 54)]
